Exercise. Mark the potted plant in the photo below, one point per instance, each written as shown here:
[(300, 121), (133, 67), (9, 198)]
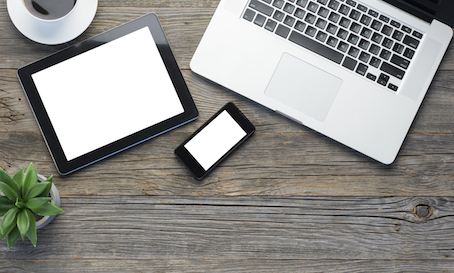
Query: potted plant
[(24, 197)]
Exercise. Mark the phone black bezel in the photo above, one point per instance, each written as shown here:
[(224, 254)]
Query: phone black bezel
[(191, 163)]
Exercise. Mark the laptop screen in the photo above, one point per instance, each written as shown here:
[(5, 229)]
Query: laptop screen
[(427, 10)]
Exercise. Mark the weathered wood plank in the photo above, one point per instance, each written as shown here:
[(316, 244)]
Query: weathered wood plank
[(435, 116), (317, 167), (220, 265), (150, 227), (151, 3), (183, 27)]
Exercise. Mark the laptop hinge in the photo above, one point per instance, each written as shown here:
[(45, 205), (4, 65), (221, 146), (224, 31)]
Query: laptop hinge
[(412, 8)]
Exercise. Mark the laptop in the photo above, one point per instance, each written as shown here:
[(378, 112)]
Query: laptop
[(355, 71)]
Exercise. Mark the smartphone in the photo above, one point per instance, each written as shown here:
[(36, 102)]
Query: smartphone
[(215, 140)]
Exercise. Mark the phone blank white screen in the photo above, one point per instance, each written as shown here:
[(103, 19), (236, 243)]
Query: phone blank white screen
[(107, 93), (216, 139)]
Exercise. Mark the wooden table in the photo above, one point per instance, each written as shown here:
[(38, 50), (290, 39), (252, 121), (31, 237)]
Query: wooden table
[(289, 200)]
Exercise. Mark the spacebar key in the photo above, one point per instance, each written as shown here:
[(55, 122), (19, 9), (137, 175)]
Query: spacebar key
[(316, 47)]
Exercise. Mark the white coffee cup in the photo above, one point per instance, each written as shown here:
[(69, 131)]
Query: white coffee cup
[(50, 10)]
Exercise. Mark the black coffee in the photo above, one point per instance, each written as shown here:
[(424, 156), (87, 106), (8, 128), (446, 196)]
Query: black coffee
[(49, 9)]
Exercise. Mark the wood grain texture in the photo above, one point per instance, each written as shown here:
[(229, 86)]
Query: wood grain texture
[(283, 158), (153, 227), (290, 200), (220, 265), (183, 27)]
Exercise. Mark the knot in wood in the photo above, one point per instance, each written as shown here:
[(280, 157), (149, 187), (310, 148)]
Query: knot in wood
[(422, 211)]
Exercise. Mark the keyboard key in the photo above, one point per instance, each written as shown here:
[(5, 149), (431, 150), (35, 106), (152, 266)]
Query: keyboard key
[(289, 21), (392, 70), (365, 20), (323, 12), (375, 62), (351, 3), (301, 3), (398, 48), (400, 62), (299, 13), (349, 63), (392, 87), (411, 42), (332, 41), (376, 25), (321, 36), (377, 38), (398, 35), (355, 15), (342, 33), (333, 4), (278, 16), (374, 49), (365, 32), (344, 22), (388, 43), (384, 18), (371, 77), (310, 18), (417, 34), (278, 3), (261, 7), (323, 2), (331, 28), (267, 1), (344, 9), (373, 13), (282, 31), (385, 54), (364, 57), (300, 26), (334, 17), (355, 27), (316, 47), (342, 46), (260, 20), (387, 30), (383, 79), (353, 51), (321, 23), (364, 44), (406, 29), (249, 15), (353, 39), (310, 31), (362, 8), (270, 25), (362, 69), (409, 53), (312, 7), (395, 24), (289, 8)]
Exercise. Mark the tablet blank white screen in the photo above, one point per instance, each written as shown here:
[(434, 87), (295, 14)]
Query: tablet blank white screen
[(107, 93), (216, 139)]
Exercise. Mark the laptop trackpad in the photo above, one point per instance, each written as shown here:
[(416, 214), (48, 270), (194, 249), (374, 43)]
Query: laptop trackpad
[(303, 87)]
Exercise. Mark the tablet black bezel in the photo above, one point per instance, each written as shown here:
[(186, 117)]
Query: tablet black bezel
[(63, 165)]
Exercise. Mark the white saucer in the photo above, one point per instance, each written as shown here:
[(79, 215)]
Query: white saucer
[(52, 33)]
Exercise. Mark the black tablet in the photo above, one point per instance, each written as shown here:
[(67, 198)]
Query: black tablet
[(108, 93)]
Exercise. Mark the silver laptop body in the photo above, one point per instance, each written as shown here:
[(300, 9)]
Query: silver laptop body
[(362, 87)]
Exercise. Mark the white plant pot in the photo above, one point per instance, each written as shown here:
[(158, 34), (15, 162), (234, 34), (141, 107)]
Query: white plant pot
[(55, 200)]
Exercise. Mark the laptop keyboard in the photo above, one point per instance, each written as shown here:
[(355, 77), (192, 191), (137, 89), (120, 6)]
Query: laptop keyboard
[(355, 36)]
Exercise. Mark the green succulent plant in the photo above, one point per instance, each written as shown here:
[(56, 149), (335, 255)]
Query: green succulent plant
[(23, 196)]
